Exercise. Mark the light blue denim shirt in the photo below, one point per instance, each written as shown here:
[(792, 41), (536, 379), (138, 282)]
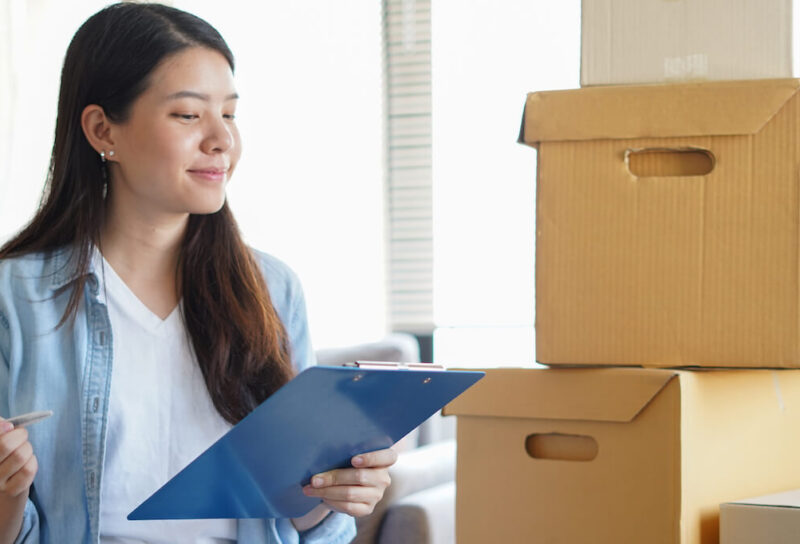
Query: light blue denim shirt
[(68, 370)]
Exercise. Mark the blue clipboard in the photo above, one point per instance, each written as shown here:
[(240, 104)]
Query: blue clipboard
[(316, 422)]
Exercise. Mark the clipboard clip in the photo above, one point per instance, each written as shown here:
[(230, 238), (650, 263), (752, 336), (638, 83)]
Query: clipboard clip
[(393, 366)]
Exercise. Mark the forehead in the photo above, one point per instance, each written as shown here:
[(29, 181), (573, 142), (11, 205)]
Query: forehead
[(196, 69)]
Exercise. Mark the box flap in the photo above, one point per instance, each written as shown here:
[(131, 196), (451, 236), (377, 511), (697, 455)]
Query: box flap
[(640, 111), (786, 499), (588, 394)]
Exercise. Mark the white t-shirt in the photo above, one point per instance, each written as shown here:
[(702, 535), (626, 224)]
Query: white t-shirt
[(160, 418)]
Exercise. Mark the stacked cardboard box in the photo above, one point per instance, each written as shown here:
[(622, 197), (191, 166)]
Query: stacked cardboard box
[(771, 519), (668, 236), (668, 224), (619, 455), (668, 311), (660, 41)]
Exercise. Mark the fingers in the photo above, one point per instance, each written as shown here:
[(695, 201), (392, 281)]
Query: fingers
[(349, 499), (350, 491), (365, 475), (15, 461), (375, 459), (21, 481), (18, 464), (368, 477), (355, 491), (355, 509), (10, 441)]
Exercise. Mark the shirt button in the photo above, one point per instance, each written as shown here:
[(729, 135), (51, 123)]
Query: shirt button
[(95, 404), (91, 480), (101, 338)]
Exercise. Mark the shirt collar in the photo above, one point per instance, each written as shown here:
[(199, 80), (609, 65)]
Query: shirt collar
[(60, 267)]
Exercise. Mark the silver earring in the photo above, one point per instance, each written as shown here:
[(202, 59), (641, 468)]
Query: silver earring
[(111, 153), (102, 156)]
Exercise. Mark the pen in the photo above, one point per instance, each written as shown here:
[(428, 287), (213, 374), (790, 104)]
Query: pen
[(23, 420)]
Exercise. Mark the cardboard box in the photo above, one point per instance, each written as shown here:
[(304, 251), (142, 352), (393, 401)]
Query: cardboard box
[(655, 452), (770, 519), (643, 255), (657, 41)]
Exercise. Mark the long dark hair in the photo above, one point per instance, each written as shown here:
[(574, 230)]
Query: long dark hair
[(240, 343)]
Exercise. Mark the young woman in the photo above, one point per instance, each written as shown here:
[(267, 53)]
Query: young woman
[(131, 307)]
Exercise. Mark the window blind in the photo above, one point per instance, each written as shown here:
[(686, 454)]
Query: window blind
[(408, 163)]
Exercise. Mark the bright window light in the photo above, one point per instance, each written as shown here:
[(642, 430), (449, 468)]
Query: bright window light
[(486, 57)]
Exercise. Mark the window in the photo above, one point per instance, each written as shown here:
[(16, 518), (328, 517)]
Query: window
[(486, 57)]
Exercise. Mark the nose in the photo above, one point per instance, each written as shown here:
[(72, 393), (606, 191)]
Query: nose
[(219, 137)]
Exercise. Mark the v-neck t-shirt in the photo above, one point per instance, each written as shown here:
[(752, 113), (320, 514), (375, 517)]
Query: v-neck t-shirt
[(161, 417)]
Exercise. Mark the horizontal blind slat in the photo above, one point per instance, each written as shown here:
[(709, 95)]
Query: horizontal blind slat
[(408, 162)]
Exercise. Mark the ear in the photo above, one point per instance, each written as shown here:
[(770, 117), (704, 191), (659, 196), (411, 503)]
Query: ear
[(97, 128)]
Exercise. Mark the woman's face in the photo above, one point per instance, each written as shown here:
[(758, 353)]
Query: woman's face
[(178, 148)]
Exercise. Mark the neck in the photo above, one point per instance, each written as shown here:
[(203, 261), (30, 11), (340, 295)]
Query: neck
[(151, 249), (144, 253)]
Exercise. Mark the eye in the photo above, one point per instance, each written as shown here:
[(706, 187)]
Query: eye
[(229, 116), (185, 116)]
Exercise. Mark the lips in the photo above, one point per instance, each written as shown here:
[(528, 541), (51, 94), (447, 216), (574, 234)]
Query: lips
[(210, 170), (209, 173)]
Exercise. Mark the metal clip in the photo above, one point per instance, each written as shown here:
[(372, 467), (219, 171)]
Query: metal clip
[(385, 365)]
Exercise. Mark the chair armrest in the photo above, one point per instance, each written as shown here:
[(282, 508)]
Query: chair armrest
[(422, 468), (425, 517), (395, 347)]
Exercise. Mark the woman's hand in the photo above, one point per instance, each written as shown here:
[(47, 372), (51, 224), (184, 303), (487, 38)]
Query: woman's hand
[(357, 490), (18, 466)]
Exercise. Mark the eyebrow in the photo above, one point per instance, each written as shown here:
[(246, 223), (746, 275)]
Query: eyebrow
[(201, 96)]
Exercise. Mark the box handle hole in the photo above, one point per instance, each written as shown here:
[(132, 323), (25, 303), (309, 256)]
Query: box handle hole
[(562, 447), (669, 162)]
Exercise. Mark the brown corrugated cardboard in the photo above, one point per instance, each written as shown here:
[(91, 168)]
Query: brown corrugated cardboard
[(771, 519), (670, 446), (668, 270), (656, 41)]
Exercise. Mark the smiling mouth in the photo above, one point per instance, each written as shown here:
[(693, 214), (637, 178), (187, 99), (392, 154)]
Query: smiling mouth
[(210, 174)]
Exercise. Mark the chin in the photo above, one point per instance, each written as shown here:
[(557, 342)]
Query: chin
[(208, 207)]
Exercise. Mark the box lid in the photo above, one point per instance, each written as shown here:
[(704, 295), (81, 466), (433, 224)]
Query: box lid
[(641, 111), (588, 394), (785, 499)]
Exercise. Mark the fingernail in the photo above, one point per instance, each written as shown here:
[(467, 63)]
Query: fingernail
[(357, 461), (6, 426), (317, 481)]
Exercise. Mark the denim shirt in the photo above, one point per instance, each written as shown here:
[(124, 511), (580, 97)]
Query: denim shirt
[(68, 370)]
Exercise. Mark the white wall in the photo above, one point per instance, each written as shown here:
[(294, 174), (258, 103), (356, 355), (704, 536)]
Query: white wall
[(309, 185)]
